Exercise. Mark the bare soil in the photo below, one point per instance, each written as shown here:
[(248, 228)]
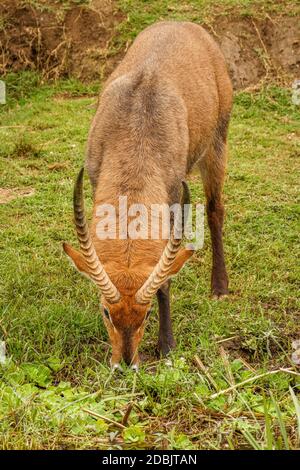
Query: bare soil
[(257, 49), (77, 41), (7, 195), (58, 41)]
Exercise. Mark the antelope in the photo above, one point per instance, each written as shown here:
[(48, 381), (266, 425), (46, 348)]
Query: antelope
[(164, 110)]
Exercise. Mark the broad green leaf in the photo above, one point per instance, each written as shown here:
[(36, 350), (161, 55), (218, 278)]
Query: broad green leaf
[(38, 374), (134, 433)]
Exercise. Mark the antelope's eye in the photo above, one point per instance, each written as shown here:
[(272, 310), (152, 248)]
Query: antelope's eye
[(106, 313)]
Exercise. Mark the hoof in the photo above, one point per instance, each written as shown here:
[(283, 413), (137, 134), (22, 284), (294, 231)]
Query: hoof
[(165, 348), (116, 367), (220, 296)]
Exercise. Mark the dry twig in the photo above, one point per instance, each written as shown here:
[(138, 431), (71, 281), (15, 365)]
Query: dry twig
[(111, 421), (252, 379), (204, 369)]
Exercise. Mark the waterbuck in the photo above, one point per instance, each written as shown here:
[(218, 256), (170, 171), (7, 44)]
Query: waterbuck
[(164, 109)]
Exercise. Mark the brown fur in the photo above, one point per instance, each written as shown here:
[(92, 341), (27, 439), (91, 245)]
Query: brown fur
[(164, 109)]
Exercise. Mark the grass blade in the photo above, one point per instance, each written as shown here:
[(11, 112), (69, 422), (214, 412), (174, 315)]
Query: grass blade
[(252, 441), (281, 424), (268, 427), (297, 408)]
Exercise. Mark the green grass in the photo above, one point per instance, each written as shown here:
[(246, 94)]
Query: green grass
[(56, 343), (142, 13), (192, 9)]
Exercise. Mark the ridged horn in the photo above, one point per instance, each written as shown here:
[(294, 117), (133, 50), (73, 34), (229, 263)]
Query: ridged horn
[(96, 270), (161, 271)]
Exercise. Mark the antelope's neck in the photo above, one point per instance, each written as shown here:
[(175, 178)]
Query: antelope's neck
[(130, 249), (137, 150)]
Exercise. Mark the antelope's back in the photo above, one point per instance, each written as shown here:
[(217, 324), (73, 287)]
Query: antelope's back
[(184, 55), (181, 65)]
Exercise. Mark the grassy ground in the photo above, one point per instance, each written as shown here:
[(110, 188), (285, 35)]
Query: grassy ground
[(142, 13), (56, 389)]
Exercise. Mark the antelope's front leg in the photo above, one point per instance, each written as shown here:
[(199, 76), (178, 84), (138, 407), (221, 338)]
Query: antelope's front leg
[(166, 340)]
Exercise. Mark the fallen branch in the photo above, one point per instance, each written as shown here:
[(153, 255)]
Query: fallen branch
[(204, 369), (227, 367), (251, 379), (224, 340), (111, 421), (92, 395)]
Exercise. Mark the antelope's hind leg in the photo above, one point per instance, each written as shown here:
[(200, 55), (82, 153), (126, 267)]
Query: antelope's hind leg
[(212, 169), (166, 340)]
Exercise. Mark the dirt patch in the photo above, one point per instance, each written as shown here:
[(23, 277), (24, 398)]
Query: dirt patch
[(254, 50), (7, 195), (56, 40), (65, 39), (58, 166)]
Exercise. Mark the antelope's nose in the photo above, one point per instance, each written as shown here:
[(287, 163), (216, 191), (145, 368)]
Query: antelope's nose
[(131, 361), (128, 356), (128, 361)]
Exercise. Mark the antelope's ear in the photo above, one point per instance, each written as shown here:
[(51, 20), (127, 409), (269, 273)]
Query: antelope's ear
[(181, 258), (76, 258)]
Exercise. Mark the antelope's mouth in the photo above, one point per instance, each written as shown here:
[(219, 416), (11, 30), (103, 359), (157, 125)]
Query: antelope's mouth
[(129, 351)]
